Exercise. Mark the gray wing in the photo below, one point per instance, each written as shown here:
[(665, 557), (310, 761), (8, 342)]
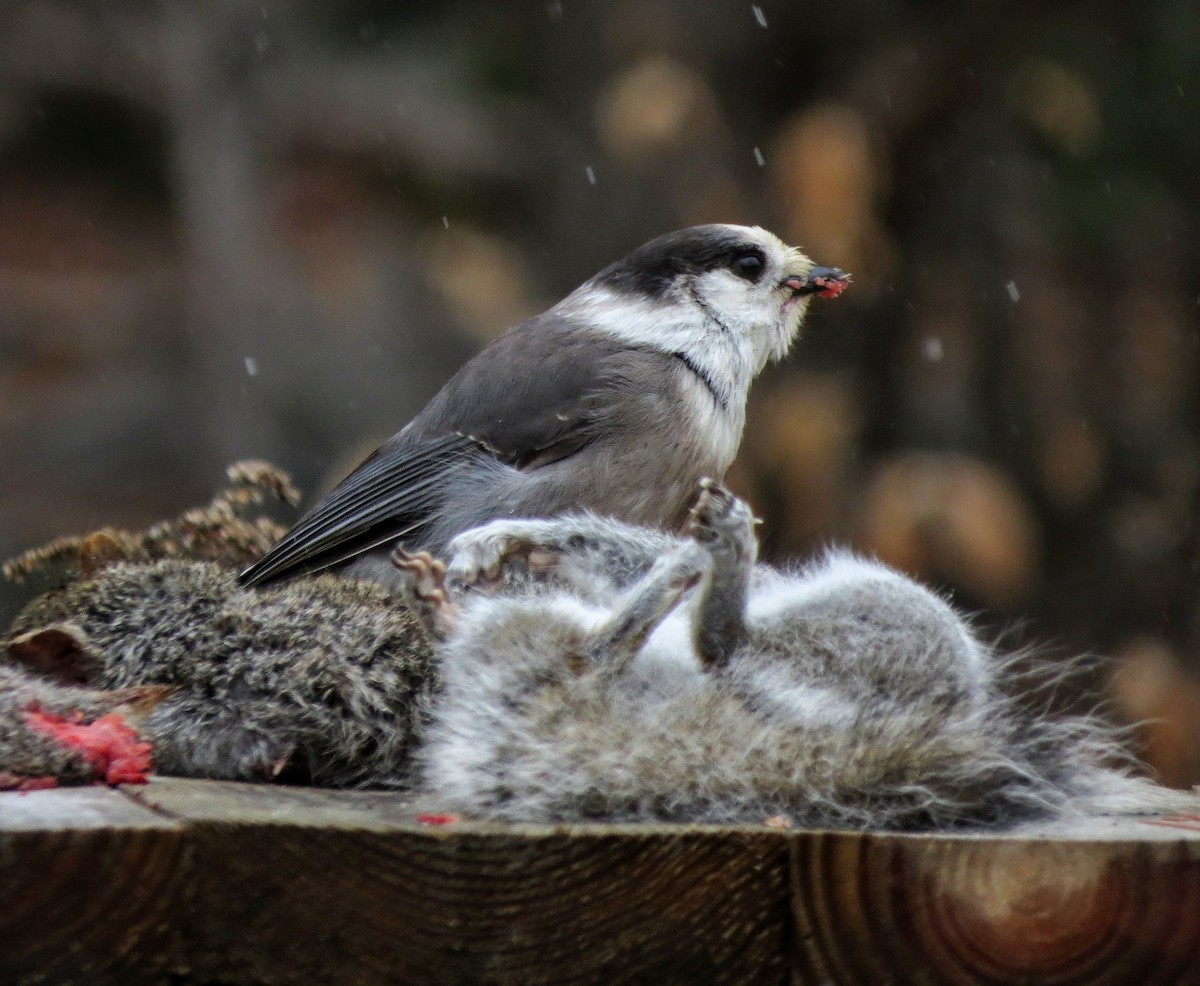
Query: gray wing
[(395, 492), (532, 397)]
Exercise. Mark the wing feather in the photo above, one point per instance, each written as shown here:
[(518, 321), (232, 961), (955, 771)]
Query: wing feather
[(537, 395), (397, 490)]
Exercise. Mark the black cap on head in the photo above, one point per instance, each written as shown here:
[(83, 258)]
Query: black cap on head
[(652, 268)]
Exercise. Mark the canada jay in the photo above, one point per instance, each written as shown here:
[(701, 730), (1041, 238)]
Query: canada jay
[(616, 400)]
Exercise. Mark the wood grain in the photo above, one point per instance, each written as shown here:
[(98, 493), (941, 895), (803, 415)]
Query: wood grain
[(200, 882), (90, 889), (1121, 905), (355, 891)]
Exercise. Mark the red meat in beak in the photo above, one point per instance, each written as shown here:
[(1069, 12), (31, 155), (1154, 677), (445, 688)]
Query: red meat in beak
[(824, 282)]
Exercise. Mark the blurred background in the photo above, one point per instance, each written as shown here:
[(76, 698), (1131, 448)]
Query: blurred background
[(273, 229)]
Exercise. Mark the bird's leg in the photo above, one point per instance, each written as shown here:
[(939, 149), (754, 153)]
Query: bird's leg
[(644, 605), (425, 591), (724, 526)]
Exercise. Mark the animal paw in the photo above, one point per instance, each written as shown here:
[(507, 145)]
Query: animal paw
[(481, 557), (425, 589), (719, 520)]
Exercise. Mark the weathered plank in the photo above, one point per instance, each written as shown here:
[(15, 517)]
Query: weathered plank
[(91, 887), (305, 886), (1100, 901), (219, 882)]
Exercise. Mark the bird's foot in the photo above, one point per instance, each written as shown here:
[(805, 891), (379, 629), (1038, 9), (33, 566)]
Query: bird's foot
[(425, 591)]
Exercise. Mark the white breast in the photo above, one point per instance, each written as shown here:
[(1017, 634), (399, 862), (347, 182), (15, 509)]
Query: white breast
[(726, 358), (722, 424)]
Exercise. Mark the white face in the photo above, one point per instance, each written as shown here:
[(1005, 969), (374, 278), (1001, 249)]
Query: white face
[(730, 319), (760, 309)]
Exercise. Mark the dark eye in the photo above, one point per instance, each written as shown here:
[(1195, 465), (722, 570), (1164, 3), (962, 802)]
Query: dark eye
[(748, 264)]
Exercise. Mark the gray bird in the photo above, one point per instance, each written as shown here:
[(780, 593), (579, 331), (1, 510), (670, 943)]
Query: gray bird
[(617, 400)]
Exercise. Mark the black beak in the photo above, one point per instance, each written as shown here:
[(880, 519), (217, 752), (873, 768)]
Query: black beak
[(826, 282)]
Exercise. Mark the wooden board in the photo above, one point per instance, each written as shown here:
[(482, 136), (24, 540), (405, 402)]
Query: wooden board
[(353, 890), (91, 889), (1109, 903), (193, 882)]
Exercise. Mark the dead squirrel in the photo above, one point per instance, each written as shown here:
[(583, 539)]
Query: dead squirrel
[(597, 687), (323, 679)]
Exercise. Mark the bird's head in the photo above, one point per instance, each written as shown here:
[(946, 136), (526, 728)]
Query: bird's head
[(707, 288)]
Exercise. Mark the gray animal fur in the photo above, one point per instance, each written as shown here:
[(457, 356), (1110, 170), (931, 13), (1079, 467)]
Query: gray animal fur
[(26, 753), (326, 678), (844, 694)]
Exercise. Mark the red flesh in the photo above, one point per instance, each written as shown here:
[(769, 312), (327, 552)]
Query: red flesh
[(830, 287), (110, 747), (23, 782)]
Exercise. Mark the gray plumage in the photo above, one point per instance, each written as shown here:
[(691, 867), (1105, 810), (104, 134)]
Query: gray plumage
[(638, 675), (618, 399)]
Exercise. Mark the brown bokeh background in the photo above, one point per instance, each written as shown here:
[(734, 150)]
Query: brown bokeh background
[(273, 229)]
